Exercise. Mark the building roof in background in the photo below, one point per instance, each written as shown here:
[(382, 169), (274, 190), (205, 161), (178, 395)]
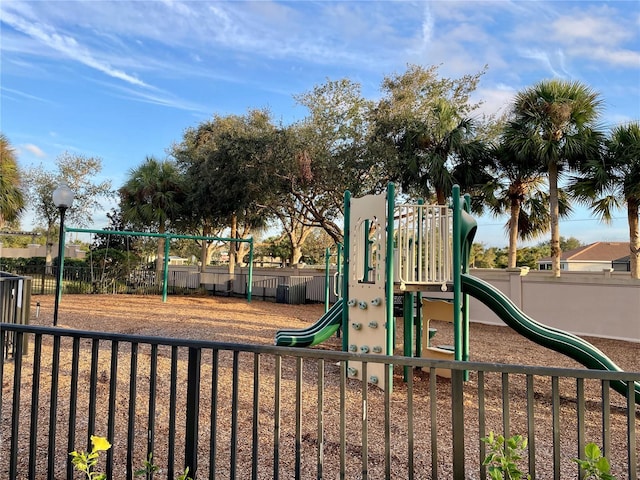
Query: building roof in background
[(598, 251)]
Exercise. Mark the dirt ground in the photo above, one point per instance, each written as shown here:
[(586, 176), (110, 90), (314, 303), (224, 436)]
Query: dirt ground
[(234, 320)]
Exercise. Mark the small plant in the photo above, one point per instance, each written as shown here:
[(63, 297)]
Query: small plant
[(184, 475), (504, 453), (85, 462), (595, 466), (148, 469)]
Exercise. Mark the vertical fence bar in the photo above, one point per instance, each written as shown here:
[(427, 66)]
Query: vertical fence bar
[(433, 411), (153, 383), (233, 468), (631, 431), (35, 401), (320, 431), (53, 409), (131, 421), (93, 383), (531, 426), (555, 403), (506, 414), (364, 424), (256, 416), (482, 423), (73, 404), (343, 421), (15, 413), (213, 440), (298, 419), (457, 421), (173, 387), (111, 419), (580, 411), (606, 418), (387, 421), (192, 411), (410, 431), (276, 417)]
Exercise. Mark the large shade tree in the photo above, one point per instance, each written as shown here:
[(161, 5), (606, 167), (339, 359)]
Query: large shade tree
[(11, 195), (424, 133), (327, 154), (151, 199), (606, 185), (555, 124), (226, 164), (81, 174)]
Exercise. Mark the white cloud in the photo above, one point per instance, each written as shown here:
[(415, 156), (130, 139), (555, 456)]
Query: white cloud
[(34, 149), (49, 37)]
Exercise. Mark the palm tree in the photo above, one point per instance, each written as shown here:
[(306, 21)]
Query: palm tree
[(11, 196), (607, 185), (554, 124), (519, 189), (152, 197)]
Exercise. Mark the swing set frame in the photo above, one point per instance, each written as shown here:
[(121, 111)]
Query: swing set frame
[(168, 237)]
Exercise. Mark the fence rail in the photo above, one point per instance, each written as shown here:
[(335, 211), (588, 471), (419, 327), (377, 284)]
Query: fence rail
[(181, 281), (237, 411)]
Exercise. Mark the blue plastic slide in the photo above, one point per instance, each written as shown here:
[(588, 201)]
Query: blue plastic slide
[(558, 340)]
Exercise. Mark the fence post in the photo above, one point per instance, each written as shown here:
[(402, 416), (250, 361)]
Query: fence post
[(193, 405), (457, 421)]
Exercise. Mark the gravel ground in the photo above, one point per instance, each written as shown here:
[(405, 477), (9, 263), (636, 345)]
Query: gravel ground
[(235, 320)]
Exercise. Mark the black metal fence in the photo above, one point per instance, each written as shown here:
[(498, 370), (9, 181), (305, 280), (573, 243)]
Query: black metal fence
[(237, 411), (294, 289)]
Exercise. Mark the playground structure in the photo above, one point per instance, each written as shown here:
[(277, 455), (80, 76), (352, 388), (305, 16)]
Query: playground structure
[(411, 250)]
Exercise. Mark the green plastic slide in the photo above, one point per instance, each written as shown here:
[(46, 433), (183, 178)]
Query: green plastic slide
[(317, 333), (555, 339)]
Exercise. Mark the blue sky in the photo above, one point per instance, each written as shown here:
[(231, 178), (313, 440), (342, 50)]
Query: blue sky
[(122, 80)]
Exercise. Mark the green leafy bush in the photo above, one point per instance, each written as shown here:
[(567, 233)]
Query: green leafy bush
[(504, 454), (594, 466)]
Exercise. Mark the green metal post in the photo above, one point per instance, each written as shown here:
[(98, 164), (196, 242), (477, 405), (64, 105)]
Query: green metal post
[(345, 271), (418, 317), (367, 251), (457, 286), (407, 308), (327, 265), (250, 280), (165, 267), (465, 298), (391, 196)]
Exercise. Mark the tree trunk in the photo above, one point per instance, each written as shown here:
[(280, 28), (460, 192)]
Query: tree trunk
[(296, 254), (513, 233), (634, 240), (206, 249), (554, 211)]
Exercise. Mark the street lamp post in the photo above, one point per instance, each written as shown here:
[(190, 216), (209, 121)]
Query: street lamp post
[(62, 198)]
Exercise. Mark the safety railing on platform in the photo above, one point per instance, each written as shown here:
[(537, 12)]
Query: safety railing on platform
[(423, 244), (254, 411)]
